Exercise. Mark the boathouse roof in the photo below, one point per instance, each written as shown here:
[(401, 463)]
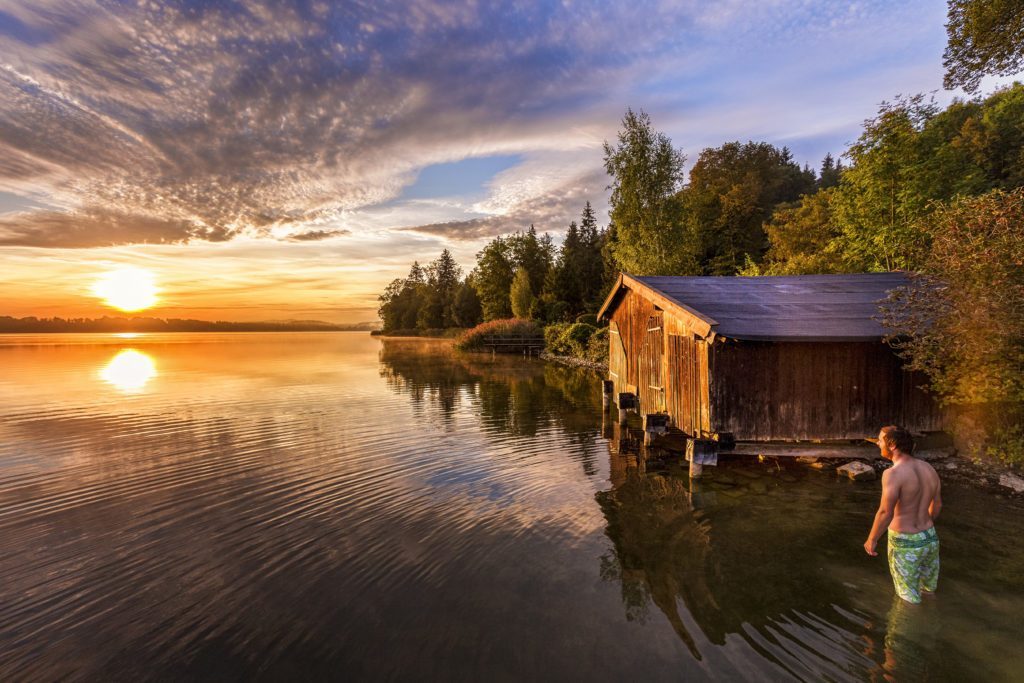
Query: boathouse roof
[(770, 308)]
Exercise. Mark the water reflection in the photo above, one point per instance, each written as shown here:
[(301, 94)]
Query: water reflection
[(325, 498), (718, 567), (511, 396), (129, 370)]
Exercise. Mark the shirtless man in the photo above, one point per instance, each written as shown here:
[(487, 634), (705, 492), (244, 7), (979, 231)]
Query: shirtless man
[(910, 504)]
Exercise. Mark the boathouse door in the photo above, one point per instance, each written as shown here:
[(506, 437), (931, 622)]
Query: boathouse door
[(683, 379), (652, 373)]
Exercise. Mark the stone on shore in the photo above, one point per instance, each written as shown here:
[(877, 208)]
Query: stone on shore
[(1012, 481), (857, 471)]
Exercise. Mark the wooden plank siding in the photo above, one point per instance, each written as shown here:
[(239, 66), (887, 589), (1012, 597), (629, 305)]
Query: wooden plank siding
[(764, 391), (652, 366), (834, 384)]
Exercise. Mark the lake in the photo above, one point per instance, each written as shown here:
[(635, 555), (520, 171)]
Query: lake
[(337, 506)]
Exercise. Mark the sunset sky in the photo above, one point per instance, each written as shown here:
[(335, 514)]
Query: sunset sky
[(285, 160)]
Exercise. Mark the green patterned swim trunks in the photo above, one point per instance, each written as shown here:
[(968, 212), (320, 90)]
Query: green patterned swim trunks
[(914, 563)]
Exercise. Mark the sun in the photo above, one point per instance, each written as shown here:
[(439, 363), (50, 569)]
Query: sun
[(127, 289)]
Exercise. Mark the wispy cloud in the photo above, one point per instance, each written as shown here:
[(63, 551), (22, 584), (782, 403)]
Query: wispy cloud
[(178, 121)]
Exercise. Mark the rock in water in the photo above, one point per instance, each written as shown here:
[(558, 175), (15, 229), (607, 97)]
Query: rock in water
[(1012, 481), (857, 471)]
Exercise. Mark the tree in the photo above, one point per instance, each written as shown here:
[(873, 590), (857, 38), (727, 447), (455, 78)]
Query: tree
[(961, 321), (533, 254), (732, 191), (493, 278), (591, 261), (831, 171), (466, 310), (442, 281), (882, 195), (388, 311), (985, 37), (800, 235), (401, 302), (521, 294), (565, 283), (647, 173)]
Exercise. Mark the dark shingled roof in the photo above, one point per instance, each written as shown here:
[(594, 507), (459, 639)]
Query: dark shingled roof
[(785, 308)]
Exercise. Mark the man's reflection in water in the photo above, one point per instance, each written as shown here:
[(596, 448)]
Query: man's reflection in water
[(910, 639)]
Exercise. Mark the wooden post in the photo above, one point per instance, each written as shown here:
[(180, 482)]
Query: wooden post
[(608, 388), (700, 452), (625, 401), (654, 424)]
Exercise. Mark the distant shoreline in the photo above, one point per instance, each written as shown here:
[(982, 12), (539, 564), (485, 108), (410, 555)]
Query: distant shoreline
[(122, 325), (5, 332)]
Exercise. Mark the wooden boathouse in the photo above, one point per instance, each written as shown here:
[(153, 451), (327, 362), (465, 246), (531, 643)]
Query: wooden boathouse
[(763, 359)]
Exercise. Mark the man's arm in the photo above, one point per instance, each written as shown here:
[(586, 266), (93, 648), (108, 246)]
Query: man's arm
[(886, 511), (936, 505)]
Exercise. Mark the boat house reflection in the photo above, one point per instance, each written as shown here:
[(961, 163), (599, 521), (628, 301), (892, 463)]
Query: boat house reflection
[(696, 552)]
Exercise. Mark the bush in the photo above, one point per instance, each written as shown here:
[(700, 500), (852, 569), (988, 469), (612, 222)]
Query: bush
[(588, 318), (597, 347), (569, 339), (474, 339), (577, 337), (1007, 445), (554, 339)]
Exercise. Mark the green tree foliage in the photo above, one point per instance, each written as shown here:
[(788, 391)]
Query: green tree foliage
[(425, 299), (961, 320), (831, 172), (438, 296), (880, 200), (498, 262), (732, 191), (401, 302), (646, 173), (800, 235), (466, 309), (521, 294), (566, 283), (576, 282), (985, 37), (912, 155), (533, 254), (495, 266)]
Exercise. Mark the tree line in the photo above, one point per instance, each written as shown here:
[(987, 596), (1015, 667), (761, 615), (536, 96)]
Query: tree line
[(522, 275)]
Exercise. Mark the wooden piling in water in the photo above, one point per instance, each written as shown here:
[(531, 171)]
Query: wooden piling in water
[(625, 401), (607, 389), (655, 424)]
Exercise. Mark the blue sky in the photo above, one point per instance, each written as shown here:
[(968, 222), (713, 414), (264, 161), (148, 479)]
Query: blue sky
[(367, 134)]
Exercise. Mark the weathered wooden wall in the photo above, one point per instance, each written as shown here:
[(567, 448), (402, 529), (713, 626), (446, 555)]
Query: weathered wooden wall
[(813, 390), (654, 354)]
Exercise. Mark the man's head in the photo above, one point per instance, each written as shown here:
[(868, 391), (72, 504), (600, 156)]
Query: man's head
[(893, 439)]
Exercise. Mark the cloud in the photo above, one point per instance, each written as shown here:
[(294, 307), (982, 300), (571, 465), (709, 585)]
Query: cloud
[(237, 116), (315, 235), (551, 209), (181, 121), (98, 228)]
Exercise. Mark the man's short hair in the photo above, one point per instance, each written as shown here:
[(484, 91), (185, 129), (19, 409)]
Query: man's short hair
[(899, 438)]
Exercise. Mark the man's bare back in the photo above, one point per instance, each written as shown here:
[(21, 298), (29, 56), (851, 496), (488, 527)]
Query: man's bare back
[(916, 485)]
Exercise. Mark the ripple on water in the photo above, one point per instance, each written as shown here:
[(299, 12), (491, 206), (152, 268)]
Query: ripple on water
[(304, 505)]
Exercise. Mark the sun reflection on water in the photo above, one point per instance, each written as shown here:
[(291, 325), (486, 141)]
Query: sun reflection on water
[(129, 370)]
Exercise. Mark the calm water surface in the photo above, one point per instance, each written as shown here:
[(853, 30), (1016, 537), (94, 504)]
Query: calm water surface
[(334, 506)]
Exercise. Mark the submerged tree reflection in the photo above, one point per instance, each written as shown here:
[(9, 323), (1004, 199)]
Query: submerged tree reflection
[(510, 395)]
